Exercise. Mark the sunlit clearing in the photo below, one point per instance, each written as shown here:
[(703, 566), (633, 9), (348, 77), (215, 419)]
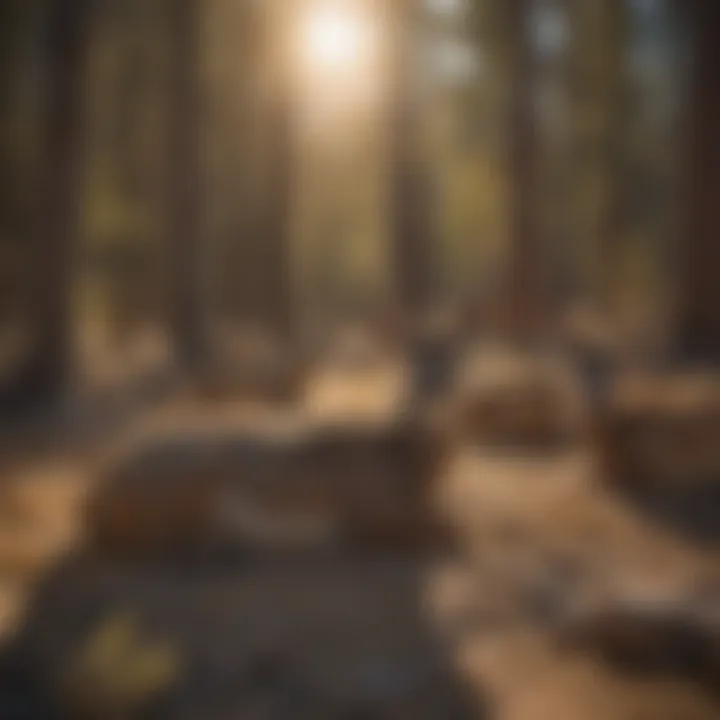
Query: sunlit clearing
[(335, 42)]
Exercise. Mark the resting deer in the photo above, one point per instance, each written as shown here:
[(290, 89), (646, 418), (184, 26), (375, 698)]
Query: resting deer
[(367, 484)]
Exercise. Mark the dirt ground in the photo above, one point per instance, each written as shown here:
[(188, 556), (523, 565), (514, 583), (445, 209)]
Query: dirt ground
[(472, 634)]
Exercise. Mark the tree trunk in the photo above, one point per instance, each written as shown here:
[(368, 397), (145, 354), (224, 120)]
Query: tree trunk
[(187, 260), (610, 230), (597, 90), (700, 293), (276, 222), (47, 372), (525, 297), (411, 231)]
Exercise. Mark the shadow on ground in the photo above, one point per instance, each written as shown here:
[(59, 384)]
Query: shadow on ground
[(303, 638), (693, 512)]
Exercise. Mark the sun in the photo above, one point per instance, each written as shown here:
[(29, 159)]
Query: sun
[(335, 40)]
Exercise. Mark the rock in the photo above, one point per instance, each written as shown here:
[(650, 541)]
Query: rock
[(283, 487), (514, 400), (648, 639), (660, 430)]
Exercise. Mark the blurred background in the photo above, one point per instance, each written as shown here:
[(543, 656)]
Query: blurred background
[(482, 232), (149, 155)]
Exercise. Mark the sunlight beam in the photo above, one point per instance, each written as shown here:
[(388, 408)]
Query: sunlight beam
[(335, 41)]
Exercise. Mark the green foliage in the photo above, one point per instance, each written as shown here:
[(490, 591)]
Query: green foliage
[(116, 671)]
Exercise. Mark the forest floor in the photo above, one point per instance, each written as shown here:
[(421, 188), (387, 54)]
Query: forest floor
[(470, 635)]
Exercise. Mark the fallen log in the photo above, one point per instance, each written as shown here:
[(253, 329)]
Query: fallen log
[(647, 639), (660, 430)]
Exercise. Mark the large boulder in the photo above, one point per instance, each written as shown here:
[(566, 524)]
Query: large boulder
[(282, 486), (660, 430)]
